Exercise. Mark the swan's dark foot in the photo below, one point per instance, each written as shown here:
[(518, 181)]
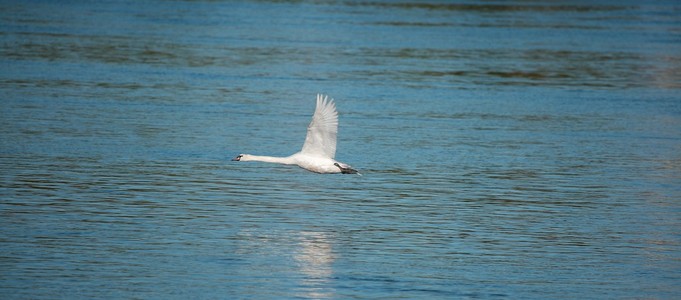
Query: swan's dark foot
[(345, 169)]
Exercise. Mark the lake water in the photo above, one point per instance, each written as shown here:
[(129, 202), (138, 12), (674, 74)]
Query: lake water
[(509, 149)]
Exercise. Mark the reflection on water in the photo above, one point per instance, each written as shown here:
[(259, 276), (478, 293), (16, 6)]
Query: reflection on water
[(515, 149), (315, 259)]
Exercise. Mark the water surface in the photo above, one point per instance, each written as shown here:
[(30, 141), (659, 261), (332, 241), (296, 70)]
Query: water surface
[(509, 149)]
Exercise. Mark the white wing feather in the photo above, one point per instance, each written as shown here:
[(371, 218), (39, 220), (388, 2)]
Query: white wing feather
[(322, 131)]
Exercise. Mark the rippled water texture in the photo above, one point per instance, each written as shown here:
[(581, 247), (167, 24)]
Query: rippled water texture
[(509, 149)]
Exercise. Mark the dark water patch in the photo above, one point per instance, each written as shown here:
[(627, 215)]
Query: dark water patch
[(541, 67), (495, 8)]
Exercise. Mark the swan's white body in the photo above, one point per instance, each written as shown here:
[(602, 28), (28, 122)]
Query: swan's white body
[(319, 148)]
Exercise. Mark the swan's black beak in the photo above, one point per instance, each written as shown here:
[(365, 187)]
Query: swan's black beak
[(238, 158)]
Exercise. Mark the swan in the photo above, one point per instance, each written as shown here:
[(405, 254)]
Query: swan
[(319, 148)]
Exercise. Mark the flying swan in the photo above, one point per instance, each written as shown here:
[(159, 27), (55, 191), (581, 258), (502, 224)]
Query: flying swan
[(320, 144)]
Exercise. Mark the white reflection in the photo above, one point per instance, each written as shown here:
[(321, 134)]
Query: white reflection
[(315, 258)]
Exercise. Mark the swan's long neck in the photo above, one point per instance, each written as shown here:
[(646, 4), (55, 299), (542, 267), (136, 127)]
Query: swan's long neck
[(269, 159)]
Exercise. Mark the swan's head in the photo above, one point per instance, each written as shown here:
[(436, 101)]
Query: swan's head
[(242, 157)]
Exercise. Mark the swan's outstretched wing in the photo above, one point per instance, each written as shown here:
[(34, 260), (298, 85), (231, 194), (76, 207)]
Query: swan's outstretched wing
[(321, 133)]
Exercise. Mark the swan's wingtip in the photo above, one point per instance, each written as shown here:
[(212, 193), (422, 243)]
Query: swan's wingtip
[(323, 98)]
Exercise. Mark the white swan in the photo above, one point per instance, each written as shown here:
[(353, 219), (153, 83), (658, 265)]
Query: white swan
[(320, 144)]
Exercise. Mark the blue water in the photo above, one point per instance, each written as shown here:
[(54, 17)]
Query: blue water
[(509, 149)]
